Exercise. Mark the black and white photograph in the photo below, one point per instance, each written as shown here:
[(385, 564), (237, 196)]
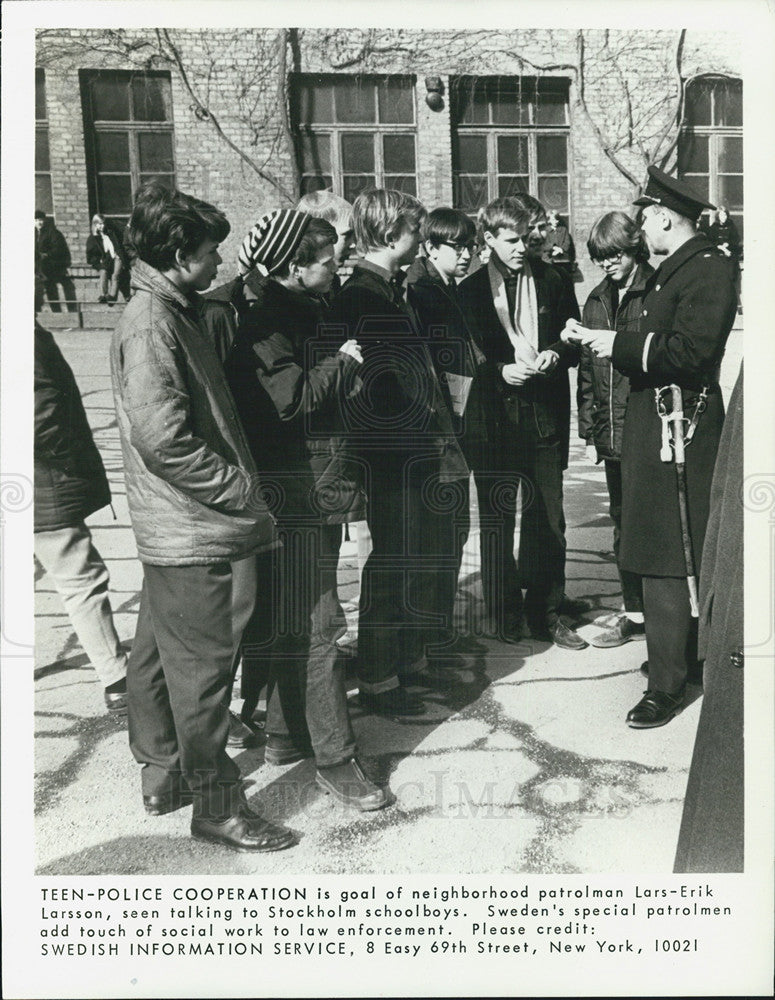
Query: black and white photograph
[(375, 500)]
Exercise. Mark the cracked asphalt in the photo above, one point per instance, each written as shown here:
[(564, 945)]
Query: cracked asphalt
[(522, 764)]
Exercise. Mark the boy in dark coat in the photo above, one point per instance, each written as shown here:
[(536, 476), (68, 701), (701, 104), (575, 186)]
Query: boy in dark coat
[(401, 428), (519, 305), (52, 260), (615, 244)]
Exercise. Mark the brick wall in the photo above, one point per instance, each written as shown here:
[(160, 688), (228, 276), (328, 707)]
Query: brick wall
[(232, 70)]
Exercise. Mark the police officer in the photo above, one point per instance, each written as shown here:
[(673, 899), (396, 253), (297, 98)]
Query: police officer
[(689, 306)]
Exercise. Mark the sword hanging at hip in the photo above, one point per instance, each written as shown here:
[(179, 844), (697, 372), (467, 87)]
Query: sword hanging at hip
[(676, 419)]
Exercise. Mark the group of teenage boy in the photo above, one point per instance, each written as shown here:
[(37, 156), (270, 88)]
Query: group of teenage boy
[(257, 420)]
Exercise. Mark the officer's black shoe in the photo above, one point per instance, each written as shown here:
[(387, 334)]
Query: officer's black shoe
[(654, 709), (397, 702)]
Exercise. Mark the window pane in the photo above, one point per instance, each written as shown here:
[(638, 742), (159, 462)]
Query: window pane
[(110, 99), (693, 154), (512, 154), (114, 194), (358, 152), (314, 153), (403, 183), (737, 218), (398, 152), (155, 152), (112, 150), (353, 186), (698, 103), (730, 154), (313, 101), (43, 200), (150, 99), (728, 103), (470, 193), (511, 102), (40, 94), (699, 183), (471, 104), (730, 191), (316, 183), (354, 100), (396, 101), (552, 154), (471, 154), (508, 186), (553, 193), (42, 158), (551, 107)]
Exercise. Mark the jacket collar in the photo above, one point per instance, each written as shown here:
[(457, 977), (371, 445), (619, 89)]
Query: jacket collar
[(147, 279), (642, 273), (697, 244)]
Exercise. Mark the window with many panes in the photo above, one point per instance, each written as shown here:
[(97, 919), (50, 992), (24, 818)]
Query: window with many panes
[(129, 136), (510, 135), (43, 197), (710, 147), (354, 132)]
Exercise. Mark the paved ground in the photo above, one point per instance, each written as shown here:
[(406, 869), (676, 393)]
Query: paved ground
[(524, 763)]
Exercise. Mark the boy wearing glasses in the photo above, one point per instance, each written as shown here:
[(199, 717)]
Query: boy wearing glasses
[(616, 245), (448, 238)]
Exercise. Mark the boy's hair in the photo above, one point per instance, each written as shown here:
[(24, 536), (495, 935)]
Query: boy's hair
[(326, 205), (447, 225), (381, 214), (317, 235), (504, 213), (531, 205), (164, 221), (40, 214), (616, 232)]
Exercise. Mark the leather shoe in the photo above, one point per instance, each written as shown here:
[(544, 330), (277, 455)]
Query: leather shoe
[(396, 702), (167, 802), (245, 831), (240, 735), (281, 749), (115, 701), (574, 607), (623, 630), (562, 636), (654, 709), (347, 783)]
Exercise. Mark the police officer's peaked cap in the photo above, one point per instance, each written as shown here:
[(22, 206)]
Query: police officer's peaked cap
[(669, 192)]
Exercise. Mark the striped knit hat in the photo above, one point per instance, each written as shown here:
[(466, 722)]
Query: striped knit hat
[(272, 242)]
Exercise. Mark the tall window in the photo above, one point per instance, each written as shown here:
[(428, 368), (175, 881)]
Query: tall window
[(510, 134), (43, 198), (354, 132), (710, 148), (129, 136)]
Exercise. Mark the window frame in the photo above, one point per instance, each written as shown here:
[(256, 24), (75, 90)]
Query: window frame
[(333, 132), (42, 133), (494, 130), (133, 128), (714, 134)]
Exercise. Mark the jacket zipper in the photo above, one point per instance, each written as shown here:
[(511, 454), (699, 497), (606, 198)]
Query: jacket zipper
[(611, 326)]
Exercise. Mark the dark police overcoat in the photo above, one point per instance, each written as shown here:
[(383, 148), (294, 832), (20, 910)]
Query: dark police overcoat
[(689, 307)]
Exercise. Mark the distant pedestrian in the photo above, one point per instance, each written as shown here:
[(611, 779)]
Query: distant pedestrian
[(70, 484), (198, 518), (52, 261), (615, 244), (559, 248), (106, 253)]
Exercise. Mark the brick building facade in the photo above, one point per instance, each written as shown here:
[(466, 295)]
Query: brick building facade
[(242, 118)]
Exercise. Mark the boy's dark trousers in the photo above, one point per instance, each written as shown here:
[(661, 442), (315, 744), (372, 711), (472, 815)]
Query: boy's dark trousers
[(179, 679)]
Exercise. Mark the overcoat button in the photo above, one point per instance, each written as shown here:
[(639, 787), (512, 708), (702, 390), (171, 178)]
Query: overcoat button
[(645, 312), (657, 287)]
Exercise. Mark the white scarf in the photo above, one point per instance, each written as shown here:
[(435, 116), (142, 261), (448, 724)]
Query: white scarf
[(522, 327)]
